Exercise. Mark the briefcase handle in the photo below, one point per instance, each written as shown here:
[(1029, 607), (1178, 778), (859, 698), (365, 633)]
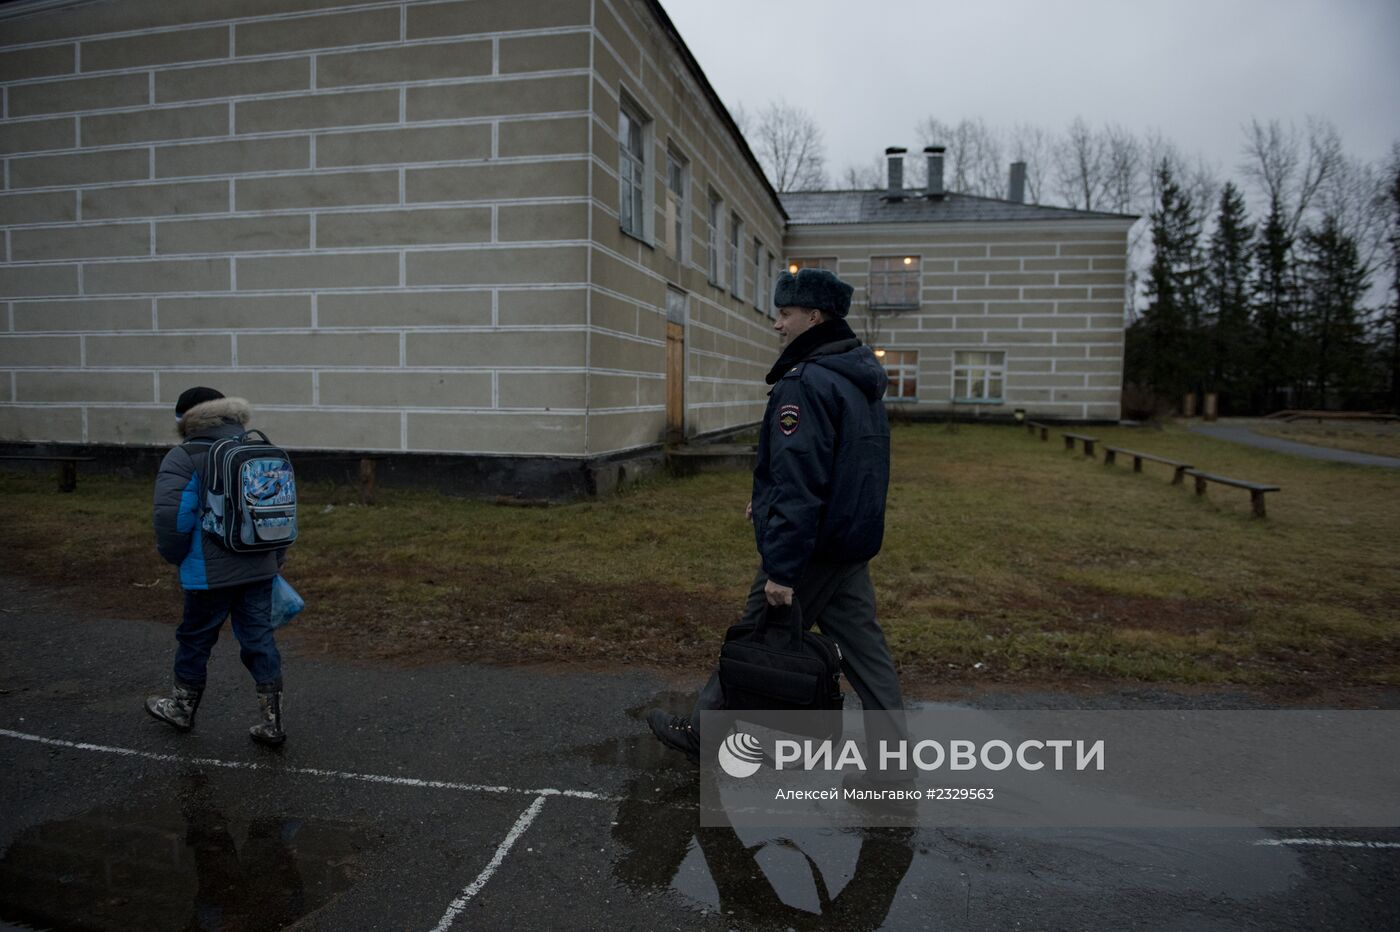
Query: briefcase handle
[(781, 617)]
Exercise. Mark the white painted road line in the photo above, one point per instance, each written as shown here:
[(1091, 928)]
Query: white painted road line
[(1326, 843), (521, 824), (304, 771)]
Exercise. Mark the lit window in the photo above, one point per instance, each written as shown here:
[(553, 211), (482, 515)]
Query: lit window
[(824, 262), (978, 377), (894, 281), (631, 144), (676, 203), (902, 366)]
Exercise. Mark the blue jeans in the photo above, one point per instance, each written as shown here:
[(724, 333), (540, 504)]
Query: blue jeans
[(250, 606)]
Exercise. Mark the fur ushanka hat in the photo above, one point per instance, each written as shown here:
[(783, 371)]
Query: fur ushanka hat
[(816, 288)]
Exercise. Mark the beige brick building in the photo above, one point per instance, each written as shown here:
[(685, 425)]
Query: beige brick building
[(523, 229)]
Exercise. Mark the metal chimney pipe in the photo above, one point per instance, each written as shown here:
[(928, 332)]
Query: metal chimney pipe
[(1016, 192), (895, 156), (934, 190)]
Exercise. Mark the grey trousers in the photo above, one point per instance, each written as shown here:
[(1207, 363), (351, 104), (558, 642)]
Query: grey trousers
[(839, 599)]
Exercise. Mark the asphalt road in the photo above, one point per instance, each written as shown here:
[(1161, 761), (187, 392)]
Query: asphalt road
[(1241, 431), (479, 798)]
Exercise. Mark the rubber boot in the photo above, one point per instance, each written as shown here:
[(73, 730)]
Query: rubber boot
[(176, 710), (269, 730)]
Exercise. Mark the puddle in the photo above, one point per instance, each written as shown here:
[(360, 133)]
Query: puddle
[(179, 866), (801, 878), (798, 878)]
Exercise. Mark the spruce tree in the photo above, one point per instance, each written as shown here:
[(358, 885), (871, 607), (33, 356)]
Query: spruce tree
[(1390, 341), (1163, 352), (1275, 310), (1332, 333), (1230, 338)]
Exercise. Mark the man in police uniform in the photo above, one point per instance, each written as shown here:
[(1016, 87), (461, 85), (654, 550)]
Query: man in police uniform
[(818, 505)]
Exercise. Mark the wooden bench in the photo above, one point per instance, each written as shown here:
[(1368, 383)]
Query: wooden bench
[(1256, 489), (1110, 455), (1034, 426), (67, 467), (1084, 438)]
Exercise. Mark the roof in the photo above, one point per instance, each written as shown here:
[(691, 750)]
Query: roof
[(815, 207)]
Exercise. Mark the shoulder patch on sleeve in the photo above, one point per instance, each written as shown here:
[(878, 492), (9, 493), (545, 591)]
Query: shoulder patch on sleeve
[(789, 416)]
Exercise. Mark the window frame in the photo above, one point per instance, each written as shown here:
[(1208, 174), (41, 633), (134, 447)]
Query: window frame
[(736, 255), (886, 279), (715, 220), (988, 372), (678, 168), (794, 265), (898, 372), (640, 200), (760, 264)]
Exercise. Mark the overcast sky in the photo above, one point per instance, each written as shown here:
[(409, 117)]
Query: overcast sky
[(871, 70)]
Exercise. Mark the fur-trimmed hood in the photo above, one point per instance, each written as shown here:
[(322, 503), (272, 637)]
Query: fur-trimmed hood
[(212, 414)]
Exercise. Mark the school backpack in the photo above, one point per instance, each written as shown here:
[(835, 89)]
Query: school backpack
[(249, 494)]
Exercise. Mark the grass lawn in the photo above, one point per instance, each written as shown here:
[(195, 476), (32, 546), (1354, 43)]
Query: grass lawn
[(1006, 560)]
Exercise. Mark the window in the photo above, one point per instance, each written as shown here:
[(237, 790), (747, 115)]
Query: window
[(977, 377), (736, 256), (675, 306), (631, 144), (716, 239), (894, 281), (825, 262), (769, 308), (677, 201), (760, 265), (902, 366)]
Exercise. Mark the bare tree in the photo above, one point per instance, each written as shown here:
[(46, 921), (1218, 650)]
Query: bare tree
[(1122, 168), (788, 143), (973, 162), (865, 177), (1354, 197), (1079, 161), (1286, 175)]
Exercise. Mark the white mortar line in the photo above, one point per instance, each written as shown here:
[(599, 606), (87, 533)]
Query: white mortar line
[(305, 771), (1326, 843), (518, 829)]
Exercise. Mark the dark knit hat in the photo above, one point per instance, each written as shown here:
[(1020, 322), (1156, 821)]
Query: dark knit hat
[(195, 396), (816, 288)]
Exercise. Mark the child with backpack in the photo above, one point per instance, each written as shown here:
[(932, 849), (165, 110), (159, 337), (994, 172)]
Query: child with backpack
[(225, 513)]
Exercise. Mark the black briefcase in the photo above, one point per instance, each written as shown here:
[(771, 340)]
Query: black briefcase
[(775, 664)]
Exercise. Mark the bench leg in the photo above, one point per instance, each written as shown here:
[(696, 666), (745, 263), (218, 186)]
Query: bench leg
[(1109, 457), (1088, 448), (1200, 486), (1069, 443), (1045, 433), (367, 477), (1180, 475), (1256, 498), (67, 477), (1137, 464)]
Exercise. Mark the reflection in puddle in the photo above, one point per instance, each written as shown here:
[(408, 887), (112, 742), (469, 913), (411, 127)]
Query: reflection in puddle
[(180, 866), (804, 878), (797, 878)]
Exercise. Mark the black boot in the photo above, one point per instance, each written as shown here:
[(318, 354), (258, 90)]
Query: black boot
[(676, 733), (269, 730), (177, 709)]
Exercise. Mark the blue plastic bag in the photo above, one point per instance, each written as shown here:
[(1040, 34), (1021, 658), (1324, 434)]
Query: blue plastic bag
[(286, 603)]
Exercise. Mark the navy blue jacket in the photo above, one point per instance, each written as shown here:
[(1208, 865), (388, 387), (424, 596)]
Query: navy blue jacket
[(823, 462)]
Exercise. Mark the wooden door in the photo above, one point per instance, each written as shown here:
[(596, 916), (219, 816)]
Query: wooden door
[(675, 383)]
